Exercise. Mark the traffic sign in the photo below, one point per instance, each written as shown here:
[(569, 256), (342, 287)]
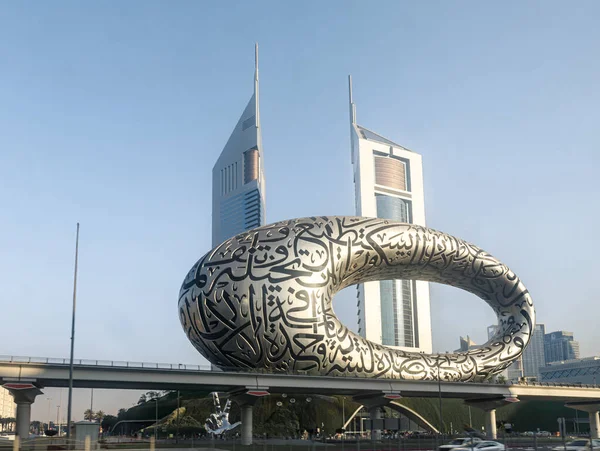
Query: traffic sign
[(392, 396)]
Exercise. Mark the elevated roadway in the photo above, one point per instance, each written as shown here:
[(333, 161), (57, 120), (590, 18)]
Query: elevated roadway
[(373, 393), (46, 372)]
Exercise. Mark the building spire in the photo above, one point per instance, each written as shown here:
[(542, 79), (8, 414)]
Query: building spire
[(352, 106), (257, 112)]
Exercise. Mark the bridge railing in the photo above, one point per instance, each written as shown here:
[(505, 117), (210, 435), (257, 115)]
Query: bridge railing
[(103, 363), (207, 368)]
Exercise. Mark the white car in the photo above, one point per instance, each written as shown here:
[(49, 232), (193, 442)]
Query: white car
[(460, 443), (579, 445), (486, 445)]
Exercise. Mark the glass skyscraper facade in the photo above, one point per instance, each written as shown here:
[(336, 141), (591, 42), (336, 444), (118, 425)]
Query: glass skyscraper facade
[(533, 356), (389, 184), (560, 346)]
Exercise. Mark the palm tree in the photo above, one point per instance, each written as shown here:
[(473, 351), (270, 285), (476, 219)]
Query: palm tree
[(88, 415), (99, 416)]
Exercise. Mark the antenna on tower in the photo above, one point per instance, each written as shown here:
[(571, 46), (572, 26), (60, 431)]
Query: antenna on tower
[(352, 106), (257, 112)]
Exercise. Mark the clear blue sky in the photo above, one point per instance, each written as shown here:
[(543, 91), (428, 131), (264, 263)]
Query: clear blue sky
[(113, 114)]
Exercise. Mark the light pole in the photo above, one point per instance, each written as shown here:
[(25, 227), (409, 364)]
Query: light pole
[(58, 411), (70, 402), (49, 399), (440, 396), (156, 420), (177, 435), (343, 413)]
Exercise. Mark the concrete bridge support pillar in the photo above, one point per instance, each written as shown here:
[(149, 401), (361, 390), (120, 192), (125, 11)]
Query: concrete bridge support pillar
[(23, 419), (593, 409), (490, 424), (246, 400), (489, 406), (375, 415), (23, 397), (374, 403), (246, 424)]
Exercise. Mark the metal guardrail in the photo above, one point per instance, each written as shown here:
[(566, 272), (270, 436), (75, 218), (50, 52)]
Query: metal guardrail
[(103, 363), (204, 368)]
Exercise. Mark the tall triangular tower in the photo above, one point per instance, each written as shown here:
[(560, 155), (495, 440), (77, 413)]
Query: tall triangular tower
[(238, 176)]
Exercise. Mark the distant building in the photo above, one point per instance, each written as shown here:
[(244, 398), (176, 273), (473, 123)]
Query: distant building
[(238, 192), (466, 344), (581, 371), (560, 346), (7, 404), (533, 356), (388, 182)]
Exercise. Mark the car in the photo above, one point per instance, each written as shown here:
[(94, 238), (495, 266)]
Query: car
[(487, 445), (460, 443), (578, 445)]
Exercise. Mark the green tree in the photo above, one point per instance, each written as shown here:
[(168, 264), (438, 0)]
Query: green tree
[(99, 416), (121, 414), (88, 415), (108, 422)]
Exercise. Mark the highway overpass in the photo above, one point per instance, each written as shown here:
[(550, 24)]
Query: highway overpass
[(48, 372)]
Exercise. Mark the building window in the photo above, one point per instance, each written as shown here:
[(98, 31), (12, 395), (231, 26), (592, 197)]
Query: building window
[(391, 172), (394, 208), (251, 165)]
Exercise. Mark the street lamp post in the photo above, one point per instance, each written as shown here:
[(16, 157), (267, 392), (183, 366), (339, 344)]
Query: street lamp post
[(177, 435), (58, 411), (343, 412), (49, 399), (156, 420), (440, 396), (70, 402), (470, 420)]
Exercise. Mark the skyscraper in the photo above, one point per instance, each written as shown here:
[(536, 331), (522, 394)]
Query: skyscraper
[(560, 346), (238, 201), (533, 356), (388, 181)]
